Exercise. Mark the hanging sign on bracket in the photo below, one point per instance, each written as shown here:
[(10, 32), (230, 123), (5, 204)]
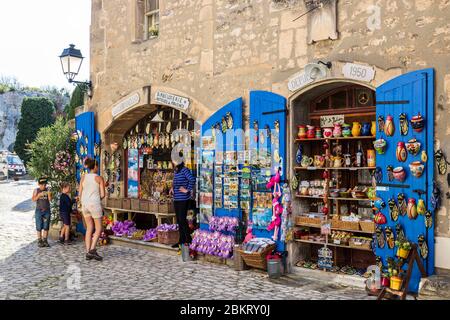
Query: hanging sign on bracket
[(358, 72)]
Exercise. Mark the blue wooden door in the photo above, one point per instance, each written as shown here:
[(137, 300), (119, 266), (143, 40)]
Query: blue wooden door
[(212, 169), (268, 111), (88, 142), (410, 94)]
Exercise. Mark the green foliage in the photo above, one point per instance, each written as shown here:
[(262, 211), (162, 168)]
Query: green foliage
[(49, 142), (36, 113), (76, 100)]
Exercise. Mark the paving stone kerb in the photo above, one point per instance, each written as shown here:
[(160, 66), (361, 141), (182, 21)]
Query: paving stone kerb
[(59, 272)]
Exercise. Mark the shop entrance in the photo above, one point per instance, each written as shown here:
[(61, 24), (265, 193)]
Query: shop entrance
[(332, 168)]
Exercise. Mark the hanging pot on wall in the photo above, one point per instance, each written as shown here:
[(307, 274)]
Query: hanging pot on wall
[(412, 209), (389, 126)]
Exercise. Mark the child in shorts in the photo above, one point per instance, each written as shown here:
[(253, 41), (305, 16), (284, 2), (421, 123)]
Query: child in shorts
[(42, 197), (65, 209)]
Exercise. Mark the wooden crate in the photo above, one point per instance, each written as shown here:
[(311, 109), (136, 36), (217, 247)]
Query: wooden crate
[(118, 203), (256, 260), (166, 208), (135, 204), (144, 205), (355, 243), (110, 203), (153, 207), (168, 237), (345, 225), (126, 204), (367, 226)]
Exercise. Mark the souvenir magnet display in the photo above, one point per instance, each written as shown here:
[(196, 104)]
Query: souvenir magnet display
[(403, 124), (423, 247)]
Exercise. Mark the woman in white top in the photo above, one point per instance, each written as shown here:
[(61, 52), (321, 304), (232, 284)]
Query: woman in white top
[(92, 191)]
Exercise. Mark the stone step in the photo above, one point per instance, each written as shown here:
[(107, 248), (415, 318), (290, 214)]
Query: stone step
[(435, 287)]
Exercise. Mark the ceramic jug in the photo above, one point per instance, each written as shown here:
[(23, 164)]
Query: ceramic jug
[(307, 161), (338, 161), (366, 128), (373, 128), (337, 130), (356, 129), (346, 130), (301, 132), (311, 132), (421, 208), (319, 161)]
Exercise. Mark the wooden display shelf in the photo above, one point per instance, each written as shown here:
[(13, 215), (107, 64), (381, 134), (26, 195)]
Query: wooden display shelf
[(336, 138), (331, 245), (334, 168), (337, 229), (331, 198)]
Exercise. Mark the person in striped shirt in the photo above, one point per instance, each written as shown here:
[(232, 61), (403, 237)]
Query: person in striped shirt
[(183, 191)]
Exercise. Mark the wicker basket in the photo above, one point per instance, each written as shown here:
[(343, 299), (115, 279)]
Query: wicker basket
[(110, 203), (126, 204), (301, 220), (355, 243), (143, 205), (345, 225), (135, 204), (166, 208), (168, 237), (367, 226), (256, 260), (153, 207), (117, 203)]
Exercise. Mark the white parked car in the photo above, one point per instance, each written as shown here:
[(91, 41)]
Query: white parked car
[(11, 166)]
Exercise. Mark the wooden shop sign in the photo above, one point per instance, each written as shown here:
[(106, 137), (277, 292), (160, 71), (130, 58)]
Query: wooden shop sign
[(172, 100), (125, 105)]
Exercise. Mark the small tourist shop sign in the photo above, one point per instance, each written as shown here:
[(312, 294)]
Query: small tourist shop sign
[(172, 100), (358, 72), (126, 104), (299, 81)]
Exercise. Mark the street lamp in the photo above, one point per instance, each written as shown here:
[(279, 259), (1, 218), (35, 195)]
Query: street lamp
[(71, 60)]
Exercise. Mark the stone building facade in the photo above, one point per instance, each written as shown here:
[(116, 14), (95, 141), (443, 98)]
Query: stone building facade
[(213, 51)]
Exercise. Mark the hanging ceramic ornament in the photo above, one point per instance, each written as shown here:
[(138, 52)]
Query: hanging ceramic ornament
[(299, 155), (424, 156), (389, 126), (147, 129), (380, 218), (124, 143), (404, 126), (256, 129), (421, 208), (294, 183), (423, 247), (418, 123), (412, 209), (428, 219), (400, 233), (379, 262), (224, 125), (137, 128), (402, 204), (381, 123), (436, 197), (380, 237), (378, 175), (390, 238), (229, 119), (390, 173), (401, 153), (167, 141), (277, 126), (86, 140), (393, 209)]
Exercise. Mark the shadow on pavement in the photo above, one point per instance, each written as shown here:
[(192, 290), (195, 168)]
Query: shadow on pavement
[(24, 206)]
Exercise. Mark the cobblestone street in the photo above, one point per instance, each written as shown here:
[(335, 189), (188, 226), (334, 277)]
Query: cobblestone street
[(28, 272)]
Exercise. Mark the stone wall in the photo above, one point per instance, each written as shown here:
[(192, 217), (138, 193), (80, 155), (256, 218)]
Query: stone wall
[(215, 51)]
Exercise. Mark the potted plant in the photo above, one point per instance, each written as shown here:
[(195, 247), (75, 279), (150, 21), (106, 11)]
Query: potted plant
[(403, 249), (153, 31)]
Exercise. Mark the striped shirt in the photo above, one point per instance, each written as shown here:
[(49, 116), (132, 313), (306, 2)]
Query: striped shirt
[(183, 178)]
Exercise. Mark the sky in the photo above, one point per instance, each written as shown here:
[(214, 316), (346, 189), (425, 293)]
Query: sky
[(33, 33)]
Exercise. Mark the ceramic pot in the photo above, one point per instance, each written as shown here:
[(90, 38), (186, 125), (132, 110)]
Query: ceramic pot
[(399, 174), (356, 129), (402, 253), (413, 146), (310, 132), (389, 127), (318, 133), (371, 158), (412, 209), (416, 168), (380, 218), (365, 129), (421, 208), (328, 132), (385, 282), (301, 132), (373, 128), (380, 146), (337, 131), (400, 152), (338, 161), (299, 155), (346, 130), (417, 123), (396, 283)]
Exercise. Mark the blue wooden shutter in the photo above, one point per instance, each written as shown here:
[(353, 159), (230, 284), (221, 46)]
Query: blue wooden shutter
[(235, 109), (85, 123), (411, 93), (266, 108)]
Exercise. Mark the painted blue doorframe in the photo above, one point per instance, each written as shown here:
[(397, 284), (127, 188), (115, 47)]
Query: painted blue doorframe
[(411, 93), (226, 143), (265, 109)]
